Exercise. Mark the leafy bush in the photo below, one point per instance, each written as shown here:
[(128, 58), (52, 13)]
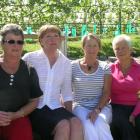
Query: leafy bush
[(75, 49), (77, 38), (30, 41), (30, 48)]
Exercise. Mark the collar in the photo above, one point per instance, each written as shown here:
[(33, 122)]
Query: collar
[(134, 62)]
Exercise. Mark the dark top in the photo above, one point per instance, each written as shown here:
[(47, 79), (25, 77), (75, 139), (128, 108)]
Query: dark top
[(17, 89)]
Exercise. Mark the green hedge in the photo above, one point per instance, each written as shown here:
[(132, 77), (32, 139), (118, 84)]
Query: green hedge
[(75, 49)]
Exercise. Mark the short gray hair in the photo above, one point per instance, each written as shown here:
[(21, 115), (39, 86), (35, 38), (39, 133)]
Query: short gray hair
[(11, 28), (122, 37)]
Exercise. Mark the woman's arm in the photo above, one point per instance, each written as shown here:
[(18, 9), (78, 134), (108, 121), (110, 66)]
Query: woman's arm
[(25, 110), (7, 117), (66, 88), (104, 99), (106, 92), (135, 113)]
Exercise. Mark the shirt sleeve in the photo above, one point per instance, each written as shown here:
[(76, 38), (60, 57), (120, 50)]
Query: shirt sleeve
[(26, 57), (34, 84), (66, 89)]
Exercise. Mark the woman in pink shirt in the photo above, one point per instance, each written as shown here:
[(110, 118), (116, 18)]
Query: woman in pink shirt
[(124, 93)]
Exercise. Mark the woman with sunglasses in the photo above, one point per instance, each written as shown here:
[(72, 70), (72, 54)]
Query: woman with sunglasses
[(91, 88), (19, 87)]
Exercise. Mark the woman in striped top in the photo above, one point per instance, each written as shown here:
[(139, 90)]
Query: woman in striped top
[(91, 88)]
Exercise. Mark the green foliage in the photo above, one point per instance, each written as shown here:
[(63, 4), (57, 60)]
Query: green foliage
[(106, 49), (30, 48), (136, 46), (74, 12), (30, 41), (77, 38), (75, 50)]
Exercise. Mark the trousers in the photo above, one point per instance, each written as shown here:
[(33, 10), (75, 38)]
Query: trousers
[(100, 129)]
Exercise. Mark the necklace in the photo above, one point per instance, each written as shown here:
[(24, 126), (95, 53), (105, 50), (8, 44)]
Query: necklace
[(92, 67), (89, 67)]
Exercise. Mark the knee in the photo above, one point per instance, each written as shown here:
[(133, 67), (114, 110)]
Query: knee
[(76, 123), (63, 126)]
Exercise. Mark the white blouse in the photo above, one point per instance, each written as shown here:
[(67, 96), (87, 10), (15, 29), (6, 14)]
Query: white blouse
[(55, 82)]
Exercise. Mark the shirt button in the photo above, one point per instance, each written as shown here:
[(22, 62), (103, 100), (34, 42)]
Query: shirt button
[(10, 84)]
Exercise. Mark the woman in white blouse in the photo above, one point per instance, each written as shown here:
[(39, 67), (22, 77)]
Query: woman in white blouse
[(51, 120)]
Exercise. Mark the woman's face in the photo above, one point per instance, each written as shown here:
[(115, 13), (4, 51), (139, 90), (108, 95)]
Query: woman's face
[(91, 47), (13, 45), (51, 40), (122, 50)]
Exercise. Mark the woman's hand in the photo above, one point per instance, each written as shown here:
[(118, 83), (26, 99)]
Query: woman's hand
[(7, 117), (12, 115), (132, 120), (4, 118), (138, 94), (93, 115)]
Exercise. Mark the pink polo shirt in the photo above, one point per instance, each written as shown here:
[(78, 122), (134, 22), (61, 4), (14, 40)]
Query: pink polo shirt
[(125, 87)]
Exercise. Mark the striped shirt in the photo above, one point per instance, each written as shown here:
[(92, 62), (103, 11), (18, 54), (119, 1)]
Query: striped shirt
[(54, 82), (87, 88)]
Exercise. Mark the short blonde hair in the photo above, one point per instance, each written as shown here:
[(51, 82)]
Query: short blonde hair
[(48, 28), (91, 36)]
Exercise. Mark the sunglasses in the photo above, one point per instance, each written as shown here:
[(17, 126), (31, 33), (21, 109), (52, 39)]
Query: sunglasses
[(11, 42)]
